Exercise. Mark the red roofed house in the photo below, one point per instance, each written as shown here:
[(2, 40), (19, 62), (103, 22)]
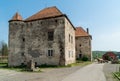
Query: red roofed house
[(83, 43), (109, 56), (47, 37)]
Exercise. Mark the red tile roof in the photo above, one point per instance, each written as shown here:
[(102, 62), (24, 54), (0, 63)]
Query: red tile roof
[(45, 13), (80, 32), (17, 17)]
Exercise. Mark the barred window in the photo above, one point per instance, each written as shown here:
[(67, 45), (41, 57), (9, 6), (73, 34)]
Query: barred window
[(50, 52)]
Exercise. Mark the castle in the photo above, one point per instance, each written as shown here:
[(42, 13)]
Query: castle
[(47, 37)]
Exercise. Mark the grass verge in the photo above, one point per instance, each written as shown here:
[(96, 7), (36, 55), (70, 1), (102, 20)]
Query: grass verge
[(23, 69), (117, 75)]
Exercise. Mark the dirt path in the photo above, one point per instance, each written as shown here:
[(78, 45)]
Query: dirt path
[(93, 72)]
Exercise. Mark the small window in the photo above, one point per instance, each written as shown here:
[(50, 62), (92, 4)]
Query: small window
[(89, 43), (56, 21), (35, 64), (50, 36), (80, 45), (80, 55), (69, 54), (69, 37), (22, 54), (72, 53), (50, 52), (22, 64), (23, 39)]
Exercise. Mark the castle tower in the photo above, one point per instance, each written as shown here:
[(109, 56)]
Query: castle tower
[(16, 39)]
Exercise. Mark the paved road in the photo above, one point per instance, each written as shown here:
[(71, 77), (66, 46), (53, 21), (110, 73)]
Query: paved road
[(93, 72), (108, 69), (49, 74)]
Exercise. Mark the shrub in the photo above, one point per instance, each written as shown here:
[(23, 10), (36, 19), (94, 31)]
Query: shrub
[(84, 58)]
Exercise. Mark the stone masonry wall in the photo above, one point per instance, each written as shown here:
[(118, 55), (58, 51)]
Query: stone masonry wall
[(37, 44), (83, 46), (29, 40), (69, 43), (16, 45)]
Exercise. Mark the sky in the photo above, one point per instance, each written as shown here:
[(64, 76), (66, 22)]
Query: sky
[(102, 17)]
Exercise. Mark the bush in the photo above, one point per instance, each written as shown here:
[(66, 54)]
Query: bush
[(84, 58)]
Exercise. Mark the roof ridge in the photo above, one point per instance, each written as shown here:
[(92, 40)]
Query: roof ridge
[(44, 13), (81, 32)]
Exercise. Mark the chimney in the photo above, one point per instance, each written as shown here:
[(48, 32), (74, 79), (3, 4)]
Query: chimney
[(87, 30)]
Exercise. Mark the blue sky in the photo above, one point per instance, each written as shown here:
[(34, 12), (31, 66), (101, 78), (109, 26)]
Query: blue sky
[(102, 17)]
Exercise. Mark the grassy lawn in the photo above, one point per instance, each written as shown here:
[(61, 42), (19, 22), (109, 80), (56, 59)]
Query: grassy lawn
[(23, 69), (80, 63), (5, 66)]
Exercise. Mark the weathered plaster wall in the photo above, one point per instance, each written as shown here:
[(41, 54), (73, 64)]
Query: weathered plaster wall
[(69, 42)]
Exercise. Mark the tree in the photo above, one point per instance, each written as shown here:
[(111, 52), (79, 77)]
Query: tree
[(3, 48), (0, 48)]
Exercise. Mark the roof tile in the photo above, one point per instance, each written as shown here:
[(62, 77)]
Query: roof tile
[(17, 16), (45, 13), (80, 32)]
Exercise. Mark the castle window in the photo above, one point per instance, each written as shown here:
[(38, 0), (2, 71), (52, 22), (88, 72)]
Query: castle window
[(56, 21), (80, 45), (89, 43), (36, 64), (23, 39), (72, 53), (22, 65), (22, 54), (50, 52), (41, 22), (69, 37), (80, 55), (69, 53), (50, 35)]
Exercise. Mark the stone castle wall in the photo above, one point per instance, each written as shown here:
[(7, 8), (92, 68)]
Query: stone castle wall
[(69, 42), (83, 46), (29, 40)]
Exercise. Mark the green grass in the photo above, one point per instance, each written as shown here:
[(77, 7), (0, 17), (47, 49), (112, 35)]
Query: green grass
[(3, 64), (117, 75), (18, 68), (80, 63), (23, 69)]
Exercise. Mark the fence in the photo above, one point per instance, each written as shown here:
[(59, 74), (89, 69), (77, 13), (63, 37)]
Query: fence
[(3, 59)]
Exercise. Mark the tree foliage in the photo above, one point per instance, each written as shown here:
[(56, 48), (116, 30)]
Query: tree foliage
[(3, 48)]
